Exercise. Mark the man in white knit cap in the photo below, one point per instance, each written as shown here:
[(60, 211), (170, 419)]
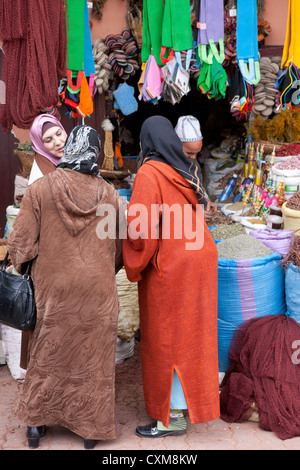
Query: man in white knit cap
[(189, 132)]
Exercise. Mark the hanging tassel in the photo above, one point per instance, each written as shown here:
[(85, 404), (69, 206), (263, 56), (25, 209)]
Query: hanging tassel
[(108, 162)]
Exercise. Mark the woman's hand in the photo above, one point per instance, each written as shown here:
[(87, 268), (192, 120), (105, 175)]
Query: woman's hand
[(211, 210)]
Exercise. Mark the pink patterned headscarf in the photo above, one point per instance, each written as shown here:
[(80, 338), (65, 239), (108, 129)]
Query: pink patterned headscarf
[(36, 136)]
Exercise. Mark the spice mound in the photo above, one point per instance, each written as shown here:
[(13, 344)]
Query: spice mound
[(242, 247), (223, 231), (294, 202), (292, 163)]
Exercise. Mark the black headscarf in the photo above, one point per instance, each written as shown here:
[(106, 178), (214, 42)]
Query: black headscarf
[(160, 142), (81, 151)]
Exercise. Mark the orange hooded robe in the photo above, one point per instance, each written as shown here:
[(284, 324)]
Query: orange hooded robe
[(177, 296)]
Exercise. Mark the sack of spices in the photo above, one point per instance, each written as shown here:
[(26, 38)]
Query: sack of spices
[(248, 287), (279, 240), (291, 218)]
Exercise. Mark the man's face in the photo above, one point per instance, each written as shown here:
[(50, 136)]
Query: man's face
[(191, 149)]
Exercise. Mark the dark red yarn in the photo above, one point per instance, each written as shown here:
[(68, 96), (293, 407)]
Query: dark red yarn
[(264, 370), (34, 58)]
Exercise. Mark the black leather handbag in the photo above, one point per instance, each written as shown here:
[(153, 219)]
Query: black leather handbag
[(17, 304)]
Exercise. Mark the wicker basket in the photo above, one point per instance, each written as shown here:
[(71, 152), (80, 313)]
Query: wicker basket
[(269, 145), (26, 158)]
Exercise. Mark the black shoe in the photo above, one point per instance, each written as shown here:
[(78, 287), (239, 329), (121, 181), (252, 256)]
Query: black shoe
[(89, 444), (150, 430), (34, 434)]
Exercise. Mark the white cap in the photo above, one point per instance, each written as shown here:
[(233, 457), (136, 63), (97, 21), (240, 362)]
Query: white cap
[(188, 129)]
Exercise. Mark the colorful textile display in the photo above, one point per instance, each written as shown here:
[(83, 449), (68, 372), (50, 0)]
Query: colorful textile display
[(247, 42), (78, 90), (32, 68)]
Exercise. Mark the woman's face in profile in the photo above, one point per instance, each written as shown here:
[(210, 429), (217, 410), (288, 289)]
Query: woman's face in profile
[(54, 140)]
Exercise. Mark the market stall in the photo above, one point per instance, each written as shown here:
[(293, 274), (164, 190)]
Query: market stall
[(174, 58)]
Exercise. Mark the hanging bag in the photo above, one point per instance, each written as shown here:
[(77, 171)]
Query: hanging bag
[(17, 304)]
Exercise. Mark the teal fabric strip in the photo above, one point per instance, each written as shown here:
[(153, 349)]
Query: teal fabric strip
[(89, 64)]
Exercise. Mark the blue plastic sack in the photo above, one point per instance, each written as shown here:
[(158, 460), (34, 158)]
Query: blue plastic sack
[(247, 288), (292, 292)]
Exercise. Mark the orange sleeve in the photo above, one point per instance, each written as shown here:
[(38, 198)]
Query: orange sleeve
[(143, 220)]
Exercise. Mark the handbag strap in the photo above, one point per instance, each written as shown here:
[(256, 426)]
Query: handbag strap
[(5, 263)]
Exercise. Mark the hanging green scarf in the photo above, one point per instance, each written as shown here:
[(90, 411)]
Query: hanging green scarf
[(75, 29), (153, 11)]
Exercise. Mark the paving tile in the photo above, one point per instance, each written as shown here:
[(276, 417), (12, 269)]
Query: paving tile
[(214, 435)]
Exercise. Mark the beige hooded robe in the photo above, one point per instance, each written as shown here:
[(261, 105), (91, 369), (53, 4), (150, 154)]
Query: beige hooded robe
[(70, 378)]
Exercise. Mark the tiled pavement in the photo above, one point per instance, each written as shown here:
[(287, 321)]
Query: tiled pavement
[(215, 435)]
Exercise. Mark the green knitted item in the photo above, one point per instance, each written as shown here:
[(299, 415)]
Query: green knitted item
[(153, 11), (75, 32), (177, 26)]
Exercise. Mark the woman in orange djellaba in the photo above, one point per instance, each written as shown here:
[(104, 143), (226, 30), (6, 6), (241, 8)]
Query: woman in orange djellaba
[(177, 282)]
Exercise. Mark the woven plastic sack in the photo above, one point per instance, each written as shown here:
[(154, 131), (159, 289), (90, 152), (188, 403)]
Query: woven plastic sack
[(291, 218), (292, 290), (247, 289), (129, 316), (11, 344), (279, 241)]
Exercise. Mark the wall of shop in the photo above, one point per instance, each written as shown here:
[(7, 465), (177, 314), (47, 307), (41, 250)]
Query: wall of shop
[(276, 12)]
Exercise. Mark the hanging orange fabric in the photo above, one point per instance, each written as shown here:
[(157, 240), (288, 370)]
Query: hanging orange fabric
[(86, 106)]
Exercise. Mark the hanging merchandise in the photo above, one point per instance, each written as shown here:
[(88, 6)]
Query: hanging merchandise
[(167, 29), (153, 11), (212, 80), (241, 96), (230, 33), (287, 86), (125, 100), (122, 50), (102, 66), (265, 92), (78, 89), (176, 30), (176, 81), (291, 50), (108, 162), (151, 81), (31, 67), (211, 31), (247, 40), (135, 22)]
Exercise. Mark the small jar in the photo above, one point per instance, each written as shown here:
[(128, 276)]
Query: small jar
[(275, 210), (275, 222)]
